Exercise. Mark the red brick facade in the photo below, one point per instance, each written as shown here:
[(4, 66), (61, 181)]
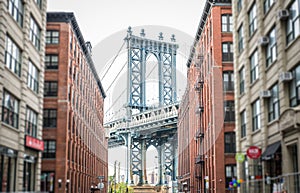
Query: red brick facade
[(79, 135), (208, 120)]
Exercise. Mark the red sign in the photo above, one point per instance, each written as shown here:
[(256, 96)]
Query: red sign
[(34, 143), (253, 152)]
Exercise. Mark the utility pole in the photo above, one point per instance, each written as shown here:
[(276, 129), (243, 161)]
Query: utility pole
[(119, 175), (115, 177)]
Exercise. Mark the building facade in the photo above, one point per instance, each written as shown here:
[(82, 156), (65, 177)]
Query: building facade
[(267, 93), (75, 152), (22, 47), (207, 158)]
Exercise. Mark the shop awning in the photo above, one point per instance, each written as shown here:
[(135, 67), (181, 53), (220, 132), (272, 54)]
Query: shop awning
[(270, 151)]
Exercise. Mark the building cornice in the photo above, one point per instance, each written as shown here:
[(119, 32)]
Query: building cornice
[(206, 12), (69, 17)]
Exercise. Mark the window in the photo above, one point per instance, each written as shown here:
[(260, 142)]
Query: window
[(51, 61), (239, 5), (256, 115), (13, 56), (240, 39), (254, 66), (49, 117), (271, 48), (10, 109), (230, 172), (252, 20), (47, 179), (31, 122), (273, 105), (8, 169), (227, 51), (267, 5), (35, 33), (227, 23), (50, 88), (293, 23), (243, 124), (242, 80), (16, 9), (33, 77), (229, 142), (295, 87), (38, 3), (229, 111), (49, 149), (228, 81), (29, 175), (52, 37)]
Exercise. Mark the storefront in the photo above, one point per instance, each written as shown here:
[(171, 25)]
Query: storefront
[(8, 166), (47, 181), (30, 170)]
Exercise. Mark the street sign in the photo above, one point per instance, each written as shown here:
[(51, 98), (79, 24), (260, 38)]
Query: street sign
[(253, 152), (100, 177), (240, 157)]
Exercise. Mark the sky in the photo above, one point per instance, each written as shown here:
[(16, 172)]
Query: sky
[(104, 24), (99, 19)]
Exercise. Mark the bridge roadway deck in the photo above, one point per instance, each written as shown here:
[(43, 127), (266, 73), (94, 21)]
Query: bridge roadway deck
[(148, 124)]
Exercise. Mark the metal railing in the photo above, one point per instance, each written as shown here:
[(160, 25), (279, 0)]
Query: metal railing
[(286, 183)]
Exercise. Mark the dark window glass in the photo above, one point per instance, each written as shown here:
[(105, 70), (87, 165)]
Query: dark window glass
[(31, 122), (254, 66), (267, 5), (230, 173), (49, 117), (228, 81), (273, 105), (33, 77), (35, 33), (229, 111), (227, 23), (227, 51), (256, 122), (293, 23), (47, 179), (50, 88), (240, 39), (49, 149), (229, 138), (243, 124), (10, 109), (16, 9), (38, 3), (252, 20), (52, 37), (295, 87), (51, 61), (271, 52), (239, 5), (242, 80), (13, 56)]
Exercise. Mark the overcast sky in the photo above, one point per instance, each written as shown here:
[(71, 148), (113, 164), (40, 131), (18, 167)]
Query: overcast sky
[(103, 23), (99, 19)]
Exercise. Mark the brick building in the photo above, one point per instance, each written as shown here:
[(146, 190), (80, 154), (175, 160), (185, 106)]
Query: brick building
[(267, 94), (206, 117), (75, 152), (22, 47)]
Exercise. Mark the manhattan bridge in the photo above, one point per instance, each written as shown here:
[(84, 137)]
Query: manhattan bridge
[(145, 126)]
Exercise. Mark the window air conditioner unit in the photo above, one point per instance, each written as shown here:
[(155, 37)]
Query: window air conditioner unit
[(285, 76), (263, 41), (265, 94), (283, 14)]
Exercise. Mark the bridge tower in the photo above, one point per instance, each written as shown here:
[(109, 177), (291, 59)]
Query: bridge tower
[(165, 141)]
